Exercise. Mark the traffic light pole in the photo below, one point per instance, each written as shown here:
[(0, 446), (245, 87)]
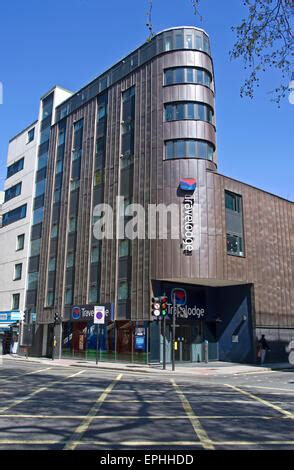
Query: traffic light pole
[(174, 335), (164, 344)]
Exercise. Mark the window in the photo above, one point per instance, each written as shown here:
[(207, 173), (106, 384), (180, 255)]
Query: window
[(70, 259), (72, 224), (54, 230), (31, 135), (98, 177), (94, 294), (234, 224), (189, 41), (33, 280), (15, 167), (101, 111), (123, 248), (15, 301), (188, 110), (12, 192), (74, 184), (14, 215), (188, 148), (123, 291), (68, 298), (194, 75), (59, 167), (52, 264), (42, 160), (167, 43), (233, 201), (50, 299), (20, 242), (95, 254), (56, 195), (38, 215), (234, 245), (179, 41), (40, 187), (35, 247), (17, 272)]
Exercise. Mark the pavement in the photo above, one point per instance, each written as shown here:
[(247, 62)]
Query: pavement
[(197, 369), (50, 405)]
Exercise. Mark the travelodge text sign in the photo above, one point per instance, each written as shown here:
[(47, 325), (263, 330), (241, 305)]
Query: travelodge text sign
[(86, 312)]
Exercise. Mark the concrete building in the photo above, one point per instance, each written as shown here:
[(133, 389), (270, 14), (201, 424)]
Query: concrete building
[(145, 130), (24, 163)]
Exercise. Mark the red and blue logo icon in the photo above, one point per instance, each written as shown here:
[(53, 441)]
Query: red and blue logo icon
[(76, 313), (179, 295), (188, 184)]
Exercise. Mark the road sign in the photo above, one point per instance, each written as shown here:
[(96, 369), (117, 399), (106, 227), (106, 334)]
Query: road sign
[(99, 315)]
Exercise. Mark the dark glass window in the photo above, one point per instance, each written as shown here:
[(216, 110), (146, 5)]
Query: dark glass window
[(20, 242), (234, 224), (233, 201), (15, 301), (14, 215), (179, 41), (188, 110), (188, 148), (187, 75), (179, 76), (15, 167), (17, 271), (31, 135), (12, 192)]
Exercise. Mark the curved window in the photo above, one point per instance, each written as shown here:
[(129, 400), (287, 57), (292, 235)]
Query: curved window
[(188, 110), (188, 148), (176, 75)]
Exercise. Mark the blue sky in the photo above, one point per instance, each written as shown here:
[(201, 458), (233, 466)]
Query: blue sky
[(69, 42)]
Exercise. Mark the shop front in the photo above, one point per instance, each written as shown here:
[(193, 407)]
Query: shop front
[(9, 331), (112, 341)]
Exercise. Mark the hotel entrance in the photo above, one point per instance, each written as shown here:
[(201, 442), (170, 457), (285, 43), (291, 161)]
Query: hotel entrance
[(189, 339)]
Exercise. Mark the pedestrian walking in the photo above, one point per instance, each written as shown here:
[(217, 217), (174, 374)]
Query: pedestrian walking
[(263, 347)]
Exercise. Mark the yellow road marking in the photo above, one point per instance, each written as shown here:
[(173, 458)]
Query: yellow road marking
[(270, 388), (79, 417), (82, 428), (199, 430), (36, 392), (257, 372), (261, 400), (6, 379)]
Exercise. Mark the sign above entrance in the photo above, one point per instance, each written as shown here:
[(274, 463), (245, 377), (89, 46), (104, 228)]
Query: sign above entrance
[(86, 313)]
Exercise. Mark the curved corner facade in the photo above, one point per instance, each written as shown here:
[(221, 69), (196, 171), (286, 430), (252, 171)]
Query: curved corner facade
[(140, 131)]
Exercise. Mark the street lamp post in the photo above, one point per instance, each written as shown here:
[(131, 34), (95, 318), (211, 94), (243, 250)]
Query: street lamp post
[(174, 334)]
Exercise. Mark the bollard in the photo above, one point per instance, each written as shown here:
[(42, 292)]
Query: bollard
[(206, 351)]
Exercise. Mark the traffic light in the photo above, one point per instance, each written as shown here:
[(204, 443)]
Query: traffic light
[(163, 306), (56, 318), (26, 317), (156, 306)]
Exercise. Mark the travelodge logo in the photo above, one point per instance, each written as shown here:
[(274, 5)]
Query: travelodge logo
[(179, 295), (188, 184), (76, 313)]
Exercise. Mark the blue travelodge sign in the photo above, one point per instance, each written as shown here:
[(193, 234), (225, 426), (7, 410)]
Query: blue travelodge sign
[(85, 313)]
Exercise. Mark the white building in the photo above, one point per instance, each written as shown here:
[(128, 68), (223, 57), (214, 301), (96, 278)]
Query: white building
[(23, 164)]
